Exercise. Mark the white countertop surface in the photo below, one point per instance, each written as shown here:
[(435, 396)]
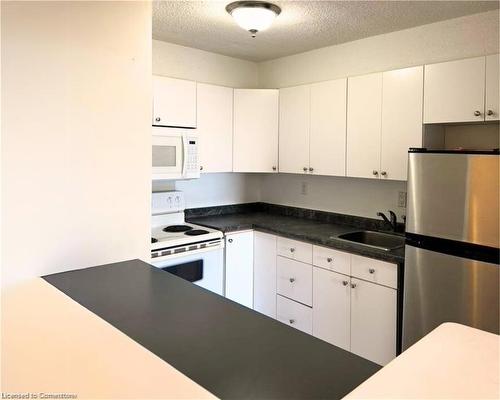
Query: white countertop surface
[(51, 344), (452, 362)]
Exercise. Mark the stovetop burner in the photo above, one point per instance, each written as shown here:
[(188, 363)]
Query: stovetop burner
[(195, 232), (153, 240), (177, 228)]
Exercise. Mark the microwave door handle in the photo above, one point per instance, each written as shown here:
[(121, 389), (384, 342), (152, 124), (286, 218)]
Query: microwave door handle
[(184, 155)]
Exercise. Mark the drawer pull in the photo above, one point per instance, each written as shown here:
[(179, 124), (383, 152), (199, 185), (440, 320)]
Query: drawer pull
[(292, 321), (329, 259), (292, 249), (292, 280), (344, 283), (353, 285), (371, 270)]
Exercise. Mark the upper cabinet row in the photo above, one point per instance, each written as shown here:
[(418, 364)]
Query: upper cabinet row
[(360, 126)]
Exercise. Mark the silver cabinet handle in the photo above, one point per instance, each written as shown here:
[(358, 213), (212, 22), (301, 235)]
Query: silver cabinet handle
[(305, 169), (383, 173), (292, 249), (230, 240), (157, 119), (490, 112), (292, 321), (292, 280), (374, 172), (311, 169), (329, 259), (477, 113), (371, 271), (274, 168), (353, 285), (201, 167), (344, 283)]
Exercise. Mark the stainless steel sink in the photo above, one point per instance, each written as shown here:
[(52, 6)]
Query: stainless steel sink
[(382, 241)]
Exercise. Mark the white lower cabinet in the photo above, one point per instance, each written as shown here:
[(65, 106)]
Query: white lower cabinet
[(373, 321), (239, 267), (264, 274), (358, 315), (294, 314), (294, 280), (332, 307)]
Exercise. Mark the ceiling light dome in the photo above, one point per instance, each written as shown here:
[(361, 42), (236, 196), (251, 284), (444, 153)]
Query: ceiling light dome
[(253, 16)]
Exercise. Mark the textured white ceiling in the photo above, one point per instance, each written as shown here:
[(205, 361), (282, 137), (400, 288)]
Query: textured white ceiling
[(302, 25)]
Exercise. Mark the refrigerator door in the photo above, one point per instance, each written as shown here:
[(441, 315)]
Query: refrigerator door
[(454, 196), (443, 288)]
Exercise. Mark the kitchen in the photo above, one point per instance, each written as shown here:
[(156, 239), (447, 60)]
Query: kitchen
[(276, 173)]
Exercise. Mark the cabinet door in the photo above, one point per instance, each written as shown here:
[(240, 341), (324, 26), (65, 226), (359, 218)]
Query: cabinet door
[(215, 127), (331, 307), (364, 114), (255, 137), (454, 91), (294, 314), (239, 267), (402, 99), (264, 291), (174, 102), (492, 78), (294, 129), (328, 127), (373, 321)]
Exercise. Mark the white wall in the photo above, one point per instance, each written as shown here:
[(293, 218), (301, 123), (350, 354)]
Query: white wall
[(362, 197), (76, 148), (469, 36), (202, 66), (216, 189)]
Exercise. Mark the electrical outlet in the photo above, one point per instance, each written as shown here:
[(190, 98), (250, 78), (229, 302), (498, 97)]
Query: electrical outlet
[(303, 188), (402, 199)]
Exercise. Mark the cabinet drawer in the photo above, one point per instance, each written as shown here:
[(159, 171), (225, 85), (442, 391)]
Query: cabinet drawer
[(333, 260), (375, 271), (294, 280), (294, 314), (295, 250)]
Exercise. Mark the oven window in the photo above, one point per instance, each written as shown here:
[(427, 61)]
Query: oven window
[(164, 156), (190, 271)]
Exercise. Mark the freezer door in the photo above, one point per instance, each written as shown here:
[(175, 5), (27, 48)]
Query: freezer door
[(454, 196), (443, 288)]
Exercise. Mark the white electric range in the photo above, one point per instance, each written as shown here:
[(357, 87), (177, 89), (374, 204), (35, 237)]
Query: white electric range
[(190, 251)]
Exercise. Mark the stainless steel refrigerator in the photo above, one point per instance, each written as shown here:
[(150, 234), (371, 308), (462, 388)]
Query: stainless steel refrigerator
[(452, 242)]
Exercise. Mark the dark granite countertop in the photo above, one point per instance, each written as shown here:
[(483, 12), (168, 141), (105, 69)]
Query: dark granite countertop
[(303, 228), (232, 351)]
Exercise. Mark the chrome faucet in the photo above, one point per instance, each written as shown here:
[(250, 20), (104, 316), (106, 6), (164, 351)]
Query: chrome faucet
[(392, 220)]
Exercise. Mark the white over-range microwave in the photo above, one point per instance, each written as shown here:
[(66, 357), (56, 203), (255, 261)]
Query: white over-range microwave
[(175, 154)]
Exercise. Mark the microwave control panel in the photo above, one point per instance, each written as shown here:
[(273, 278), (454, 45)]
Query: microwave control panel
[(192, 167)]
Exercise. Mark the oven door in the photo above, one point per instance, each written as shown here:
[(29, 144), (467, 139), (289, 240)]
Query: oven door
[(205, 269), (168, 156)]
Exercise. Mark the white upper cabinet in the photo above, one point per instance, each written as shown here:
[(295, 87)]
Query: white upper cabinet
[(328, 127), (174, 102), (454, 91), (294, 129), (402, 98), (492, 110), (215, 127), (364, 114), (255, 137)]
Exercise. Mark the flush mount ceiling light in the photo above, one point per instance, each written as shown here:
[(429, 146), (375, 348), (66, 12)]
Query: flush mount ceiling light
[(253, 16)]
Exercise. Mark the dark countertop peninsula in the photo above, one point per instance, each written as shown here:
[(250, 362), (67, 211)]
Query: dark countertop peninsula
[(316, 227), (232, 351)]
